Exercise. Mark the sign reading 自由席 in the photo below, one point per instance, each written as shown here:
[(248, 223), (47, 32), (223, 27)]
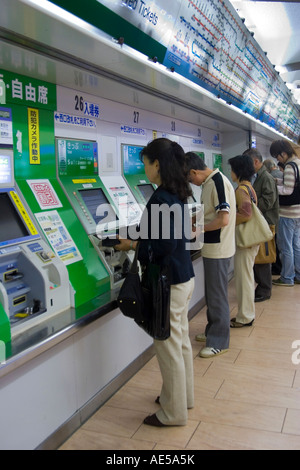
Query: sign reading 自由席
[(28, 91)]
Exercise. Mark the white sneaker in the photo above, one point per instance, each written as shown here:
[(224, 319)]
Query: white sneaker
[(201, 337), (211, 352)]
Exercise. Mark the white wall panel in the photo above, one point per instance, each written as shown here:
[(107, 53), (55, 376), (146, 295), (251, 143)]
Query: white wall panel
[(103, 350), (37, 398)]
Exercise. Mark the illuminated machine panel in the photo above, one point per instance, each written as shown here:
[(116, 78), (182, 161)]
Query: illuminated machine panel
[(132, 164), (147, 190), (6, 170), (134, 173), (98, 205)]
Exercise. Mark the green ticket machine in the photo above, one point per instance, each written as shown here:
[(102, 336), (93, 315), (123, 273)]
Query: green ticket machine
[(33, 280), (77, 171)]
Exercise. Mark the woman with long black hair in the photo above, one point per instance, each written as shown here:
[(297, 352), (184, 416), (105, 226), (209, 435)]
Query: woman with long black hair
[(164, 162)]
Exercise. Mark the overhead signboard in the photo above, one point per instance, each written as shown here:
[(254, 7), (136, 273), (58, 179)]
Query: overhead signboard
[(206, 42)]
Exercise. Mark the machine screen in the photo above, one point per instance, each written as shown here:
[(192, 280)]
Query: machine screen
[(11, 225), (147, 190), (6, 170), (94, 199), (132, 164)]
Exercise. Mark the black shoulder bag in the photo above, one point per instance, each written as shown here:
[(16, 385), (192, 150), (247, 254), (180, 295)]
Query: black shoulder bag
[(294, 198), (147, 300)]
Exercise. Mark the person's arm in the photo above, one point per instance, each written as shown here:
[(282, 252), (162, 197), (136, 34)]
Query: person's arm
[(286, 186), (220, 221), (243, 206), (268, 197), (125, 244)]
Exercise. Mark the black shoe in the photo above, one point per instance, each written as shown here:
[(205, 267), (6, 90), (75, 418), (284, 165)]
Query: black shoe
[(262, 298)]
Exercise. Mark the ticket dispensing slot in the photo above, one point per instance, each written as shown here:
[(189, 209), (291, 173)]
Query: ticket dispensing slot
[(104, 238)]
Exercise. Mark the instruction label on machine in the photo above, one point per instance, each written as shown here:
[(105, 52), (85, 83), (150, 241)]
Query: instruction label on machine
[(44, 193), (23, 213), (58, 236), (34, 136)]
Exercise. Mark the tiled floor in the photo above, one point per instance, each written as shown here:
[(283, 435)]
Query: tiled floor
[(248, 398)]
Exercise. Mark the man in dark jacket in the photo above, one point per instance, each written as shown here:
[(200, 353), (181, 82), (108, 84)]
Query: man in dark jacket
[(267, 195)]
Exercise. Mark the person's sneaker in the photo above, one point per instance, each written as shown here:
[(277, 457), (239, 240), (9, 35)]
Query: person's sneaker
[(297, 281), (211, 352), (280, 282), (201, 337)]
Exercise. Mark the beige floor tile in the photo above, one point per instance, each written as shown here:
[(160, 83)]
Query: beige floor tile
[(177, 436), (210, 436), (206, 387), (147, 379), (257, 343), (138, 399), (251, 372), (152, 364), (90, 440), (115, 421), (292, 422), (200, 367), (163, 447), (297, 379), (266, 359), (280, 334), (237, 413), (279, 318), (258, 392)]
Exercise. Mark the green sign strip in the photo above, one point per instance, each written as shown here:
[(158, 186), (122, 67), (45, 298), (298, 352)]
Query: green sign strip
[(26, 91), (101, 17)]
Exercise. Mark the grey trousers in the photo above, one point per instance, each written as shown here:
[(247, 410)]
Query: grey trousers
[(217, 330)]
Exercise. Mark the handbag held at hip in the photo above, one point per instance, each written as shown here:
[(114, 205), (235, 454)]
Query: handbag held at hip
[(147, 300), (255, 231), (267, 250)]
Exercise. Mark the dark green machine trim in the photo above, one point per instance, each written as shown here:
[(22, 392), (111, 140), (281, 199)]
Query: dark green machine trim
[(100, 16)]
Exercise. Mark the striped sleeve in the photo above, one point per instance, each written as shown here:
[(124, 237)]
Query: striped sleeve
[(289, 180)]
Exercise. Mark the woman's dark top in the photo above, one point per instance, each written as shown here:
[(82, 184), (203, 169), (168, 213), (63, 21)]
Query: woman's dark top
[(164, 235)]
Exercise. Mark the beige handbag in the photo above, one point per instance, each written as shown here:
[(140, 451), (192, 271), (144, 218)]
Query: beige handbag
[(255, 231)]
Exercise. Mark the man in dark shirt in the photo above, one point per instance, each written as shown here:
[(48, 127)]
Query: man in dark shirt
[(267, 196)]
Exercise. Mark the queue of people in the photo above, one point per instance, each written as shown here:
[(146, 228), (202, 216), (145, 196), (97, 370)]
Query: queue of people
[(172, 170)]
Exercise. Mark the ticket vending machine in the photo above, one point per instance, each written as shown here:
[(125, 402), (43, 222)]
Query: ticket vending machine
[(134, 173), (94, 204), (33, 280)]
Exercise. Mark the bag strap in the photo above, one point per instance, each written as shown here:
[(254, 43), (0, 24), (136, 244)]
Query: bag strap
[(296, 170), (249, 192), (134, 265)]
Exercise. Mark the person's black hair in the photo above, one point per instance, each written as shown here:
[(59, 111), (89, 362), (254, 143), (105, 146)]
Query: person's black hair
[(194, 162), (242, 166), (172, 165), (281, 165), (254, 153), (279, 146)]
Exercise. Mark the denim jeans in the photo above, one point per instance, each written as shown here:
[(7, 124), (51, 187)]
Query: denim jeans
[(289, 246)]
